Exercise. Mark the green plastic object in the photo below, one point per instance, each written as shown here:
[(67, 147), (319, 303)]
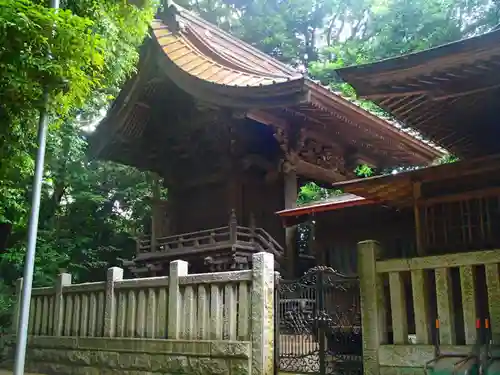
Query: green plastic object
[(459, 365)]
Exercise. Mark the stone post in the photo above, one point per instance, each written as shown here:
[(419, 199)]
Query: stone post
[(17, 307), (113, 275), (178, 268), (373, 314), (64, 279), (262, 314)]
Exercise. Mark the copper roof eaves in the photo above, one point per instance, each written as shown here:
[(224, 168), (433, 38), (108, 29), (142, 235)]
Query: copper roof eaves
[(230, 60), (192, 18), (484, 43), (326, 206), (319, 92), (165, 40)]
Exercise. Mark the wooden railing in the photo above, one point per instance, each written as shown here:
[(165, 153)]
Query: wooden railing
[(255, 238), (211, 306), (434, 295), (185, 240)]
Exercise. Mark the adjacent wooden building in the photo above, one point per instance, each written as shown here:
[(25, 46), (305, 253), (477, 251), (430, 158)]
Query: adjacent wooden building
[(232, 133), (449, 208), (427, 239), (449, 93)]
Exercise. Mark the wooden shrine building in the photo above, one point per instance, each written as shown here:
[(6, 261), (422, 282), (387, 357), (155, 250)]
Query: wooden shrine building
[(424, 243), (232, 132), (334, 227), (437, 210), (449, 94)]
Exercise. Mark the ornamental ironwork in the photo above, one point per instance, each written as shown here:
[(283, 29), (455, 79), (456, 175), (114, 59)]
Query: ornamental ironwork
[(318, 324)]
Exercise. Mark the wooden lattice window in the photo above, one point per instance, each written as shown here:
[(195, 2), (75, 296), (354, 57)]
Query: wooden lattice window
[(462, 224)]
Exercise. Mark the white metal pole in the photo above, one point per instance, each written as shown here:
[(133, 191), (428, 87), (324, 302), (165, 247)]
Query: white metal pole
[(22, 329)]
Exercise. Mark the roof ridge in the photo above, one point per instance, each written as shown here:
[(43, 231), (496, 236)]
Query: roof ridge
[(235, 64), (435, 52), (190, 15), (207, 59)]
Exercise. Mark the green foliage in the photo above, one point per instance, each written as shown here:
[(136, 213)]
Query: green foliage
[(80, 54), (311, 192), (364, 171), (445, 159), (25, 70)]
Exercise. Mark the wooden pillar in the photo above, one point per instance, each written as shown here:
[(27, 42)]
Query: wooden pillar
[(417, 194), (291, 192), (234, 195), (235, 198), (154, 210)]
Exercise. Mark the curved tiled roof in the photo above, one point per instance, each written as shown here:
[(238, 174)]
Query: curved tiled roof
[(207, 60), (220, 70)]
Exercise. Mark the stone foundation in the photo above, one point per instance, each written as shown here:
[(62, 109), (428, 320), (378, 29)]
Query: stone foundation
[(113, 356)]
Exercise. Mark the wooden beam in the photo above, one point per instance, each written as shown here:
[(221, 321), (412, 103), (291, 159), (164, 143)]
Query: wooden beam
[(154, 211), (488, 192), (417, 193), (291, 190), (464, 93), (316, 172), (269, 119), (393, 94)]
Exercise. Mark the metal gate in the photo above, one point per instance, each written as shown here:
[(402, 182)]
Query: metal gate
[(318, 324)]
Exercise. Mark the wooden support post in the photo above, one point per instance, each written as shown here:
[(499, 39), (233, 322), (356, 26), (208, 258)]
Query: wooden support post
[(178, 268), (155, 208), (253, 227), (233, 227), (417, 193), (113, 275), (373, 310), (291, 192), (64, 279)]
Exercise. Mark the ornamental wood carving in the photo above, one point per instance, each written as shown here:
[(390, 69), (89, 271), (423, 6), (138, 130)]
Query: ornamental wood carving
[(296, 144)]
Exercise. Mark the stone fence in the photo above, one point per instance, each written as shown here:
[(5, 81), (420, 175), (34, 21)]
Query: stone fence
[(447, 295), (200, 323)]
